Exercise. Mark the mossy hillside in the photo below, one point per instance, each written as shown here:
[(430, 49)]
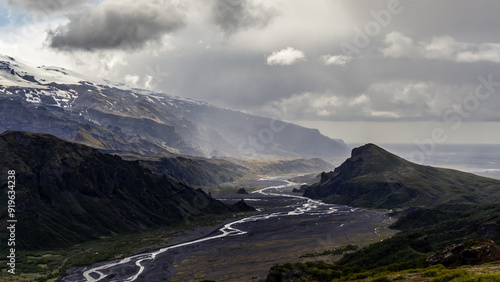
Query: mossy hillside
[(407, 254), (453, 223), (67, 193), (320, 271)]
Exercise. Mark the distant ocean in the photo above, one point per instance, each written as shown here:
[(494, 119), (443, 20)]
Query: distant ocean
[(478, 159)]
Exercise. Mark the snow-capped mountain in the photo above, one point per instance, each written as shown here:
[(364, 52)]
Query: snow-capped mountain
[(114, 117)]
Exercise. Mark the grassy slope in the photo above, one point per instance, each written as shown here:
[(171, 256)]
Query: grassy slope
[(320, 271), (453, 223), (424, 231), (68, 193), (375, 178)]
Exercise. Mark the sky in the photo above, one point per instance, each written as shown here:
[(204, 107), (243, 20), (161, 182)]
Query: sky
[(382, 71)]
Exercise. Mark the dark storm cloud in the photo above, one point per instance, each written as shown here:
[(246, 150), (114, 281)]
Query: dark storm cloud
[(117, 25), (386, 81), (234, 15), (47, 7)]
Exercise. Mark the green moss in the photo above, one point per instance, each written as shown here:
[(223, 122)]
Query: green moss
[(396, 251), (452, 274), (430, 273), (486, 278), (381, 279)]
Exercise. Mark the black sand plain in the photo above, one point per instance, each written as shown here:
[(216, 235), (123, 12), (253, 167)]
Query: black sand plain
[(286, 229)]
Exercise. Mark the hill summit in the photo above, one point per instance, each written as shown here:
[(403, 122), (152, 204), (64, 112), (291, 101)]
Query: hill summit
[(375, 178)]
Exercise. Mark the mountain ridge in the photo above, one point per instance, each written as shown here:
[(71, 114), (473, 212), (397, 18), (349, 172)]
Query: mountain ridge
[(68, 193), (374, 178), (115, 117)]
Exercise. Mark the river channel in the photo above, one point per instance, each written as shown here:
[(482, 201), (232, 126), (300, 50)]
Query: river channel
[(287, 227)]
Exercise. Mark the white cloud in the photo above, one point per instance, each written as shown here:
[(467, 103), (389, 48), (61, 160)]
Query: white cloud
[(132, 80), (398, 45), (326, 105), (388, 100), (439, 48), (384, 114), (412, 93), (286, 57), (336, 60), (360, 100), (489, 52), (148, 81)]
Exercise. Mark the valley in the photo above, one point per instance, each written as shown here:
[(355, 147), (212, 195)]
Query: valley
[(288, 226)]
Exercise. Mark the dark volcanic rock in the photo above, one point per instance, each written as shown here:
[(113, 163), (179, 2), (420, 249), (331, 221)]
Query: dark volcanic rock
[(301, 189), (242, 191), (242, 206)]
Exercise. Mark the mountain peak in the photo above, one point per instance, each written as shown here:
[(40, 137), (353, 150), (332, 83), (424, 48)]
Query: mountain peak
[(114, 117), (370, 158), (367, 148)]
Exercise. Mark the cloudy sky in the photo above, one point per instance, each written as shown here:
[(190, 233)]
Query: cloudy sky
[(383, 71)]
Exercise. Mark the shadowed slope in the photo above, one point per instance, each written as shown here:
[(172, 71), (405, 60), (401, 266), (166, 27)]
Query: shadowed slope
[(68, 193)]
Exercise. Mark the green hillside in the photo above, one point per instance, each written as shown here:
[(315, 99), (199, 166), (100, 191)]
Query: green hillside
[(67, 193), (375, 178), (432, 243)]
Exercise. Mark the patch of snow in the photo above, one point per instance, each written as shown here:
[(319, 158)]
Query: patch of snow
[(94, 121), (32, 99)]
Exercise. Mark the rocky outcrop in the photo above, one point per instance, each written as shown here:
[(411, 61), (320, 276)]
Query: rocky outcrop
[(242, 191), (468, 253), (242, 206)]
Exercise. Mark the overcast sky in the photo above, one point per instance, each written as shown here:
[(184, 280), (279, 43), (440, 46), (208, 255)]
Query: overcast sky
[(364, 71)]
